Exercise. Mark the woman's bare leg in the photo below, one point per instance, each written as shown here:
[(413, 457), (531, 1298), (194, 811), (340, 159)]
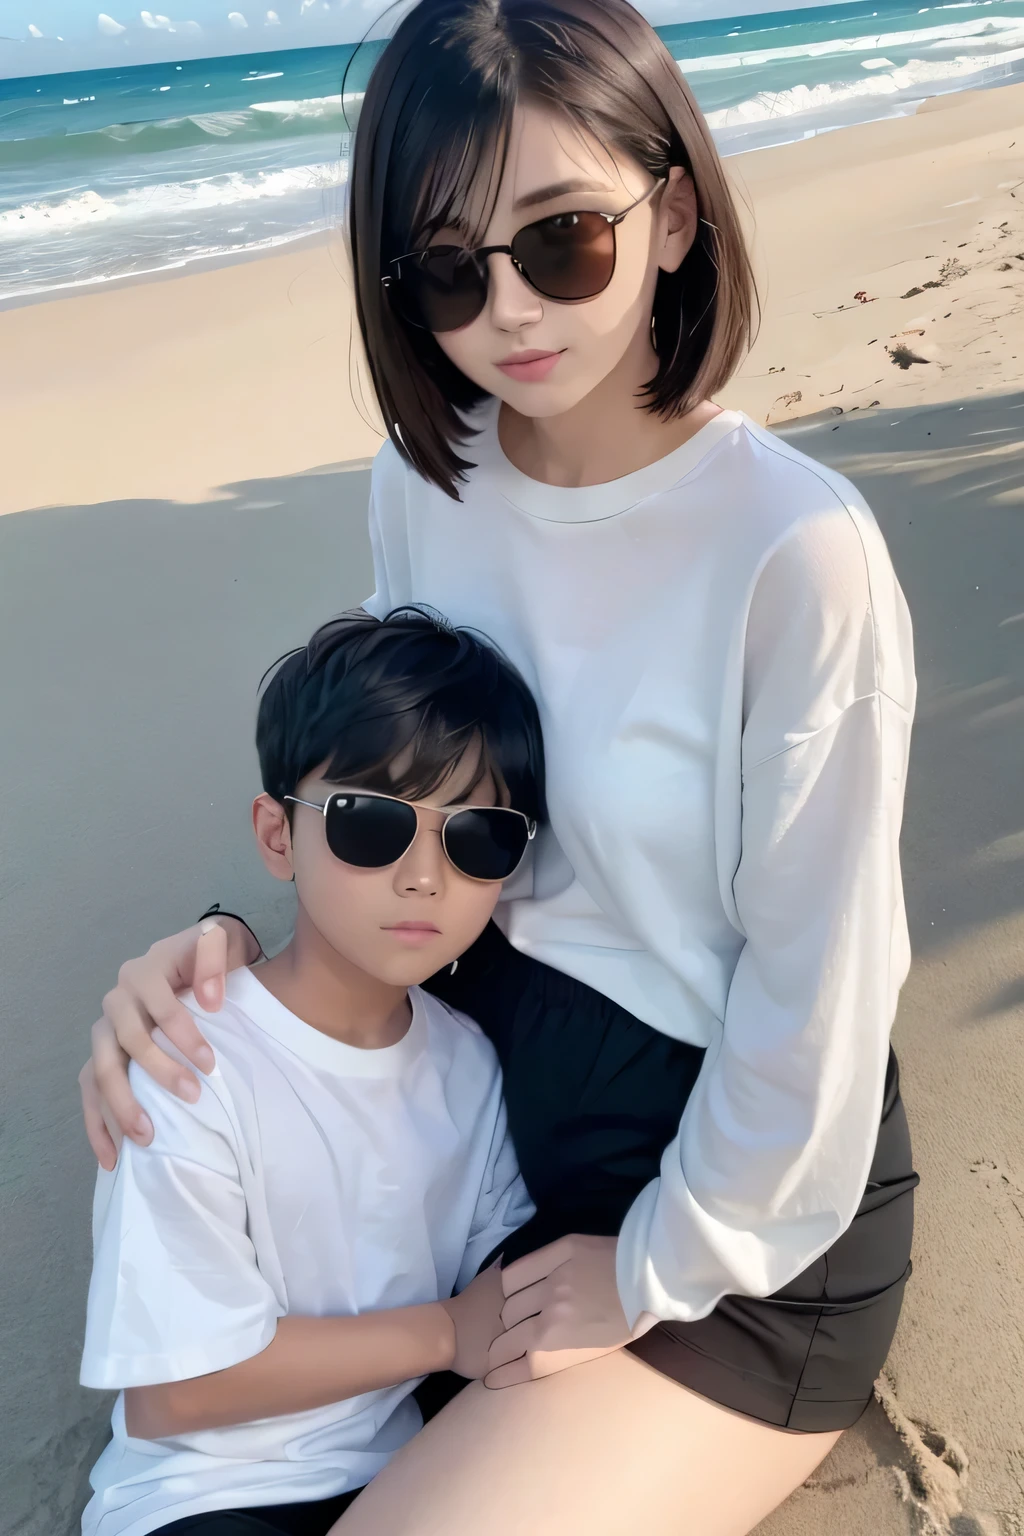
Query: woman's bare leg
[(604, 1449)]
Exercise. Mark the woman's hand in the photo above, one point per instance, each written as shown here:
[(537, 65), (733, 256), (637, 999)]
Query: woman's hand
[(476, 1313), (562, 1308), (144, 999)]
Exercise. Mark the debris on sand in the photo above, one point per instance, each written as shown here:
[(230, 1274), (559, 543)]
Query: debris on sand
[(864, 298), (785, 401), (902, 356), (950, 270)]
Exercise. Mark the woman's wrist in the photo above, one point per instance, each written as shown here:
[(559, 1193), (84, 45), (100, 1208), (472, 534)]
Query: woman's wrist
[(238, 932)]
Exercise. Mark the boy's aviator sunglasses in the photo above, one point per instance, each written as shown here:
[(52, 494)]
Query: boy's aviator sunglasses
[(567, 257), (372, 831)]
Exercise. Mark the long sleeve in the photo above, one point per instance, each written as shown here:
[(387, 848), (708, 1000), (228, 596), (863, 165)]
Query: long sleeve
[(387, 499), (776, 1141)]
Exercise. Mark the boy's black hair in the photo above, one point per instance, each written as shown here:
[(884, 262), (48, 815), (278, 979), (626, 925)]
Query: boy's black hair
[(365, 690)]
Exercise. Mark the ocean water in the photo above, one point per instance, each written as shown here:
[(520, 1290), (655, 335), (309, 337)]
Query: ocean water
[(114, 172)]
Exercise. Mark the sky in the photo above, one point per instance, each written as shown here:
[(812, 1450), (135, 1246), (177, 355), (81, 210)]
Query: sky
[(52, 36)]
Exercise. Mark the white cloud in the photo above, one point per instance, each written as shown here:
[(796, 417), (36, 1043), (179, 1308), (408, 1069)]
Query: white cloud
[(33, 31), (237, 20), (156, 23), (273, 19), (192, 28), (108, 26), (307, 5)]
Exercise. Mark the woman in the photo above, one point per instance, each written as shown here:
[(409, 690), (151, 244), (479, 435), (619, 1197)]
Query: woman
[(692, 996)]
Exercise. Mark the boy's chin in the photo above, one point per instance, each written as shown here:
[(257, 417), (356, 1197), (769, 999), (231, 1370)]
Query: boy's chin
[(410, 970)]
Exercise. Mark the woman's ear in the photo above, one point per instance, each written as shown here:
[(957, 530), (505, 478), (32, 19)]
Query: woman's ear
[(678, 218), (273, 836)]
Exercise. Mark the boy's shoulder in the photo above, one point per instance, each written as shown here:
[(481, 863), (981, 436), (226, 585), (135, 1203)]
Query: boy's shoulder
[(232, 1038), (452, 1032)]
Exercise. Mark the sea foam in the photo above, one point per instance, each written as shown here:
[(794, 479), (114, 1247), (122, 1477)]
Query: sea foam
[(152, 202), (919, 76)]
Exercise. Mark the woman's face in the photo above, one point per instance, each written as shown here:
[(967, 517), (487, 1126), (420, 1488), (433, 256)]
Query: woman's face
[(553, 168)]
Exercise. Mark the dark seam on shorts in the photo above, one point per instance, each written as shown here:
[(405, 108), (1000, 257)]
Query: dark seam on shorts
[(810, 1346), (807, 1356)]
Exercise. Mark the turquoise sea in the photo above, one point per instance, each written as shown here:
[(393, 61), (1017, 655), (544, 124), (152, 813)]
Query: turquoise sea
[(118, 171)]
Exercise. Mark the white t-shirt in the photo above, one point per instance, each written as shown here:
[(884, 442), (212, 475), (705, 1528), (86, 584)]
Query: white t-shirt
[(311, 1178), (723, 662)]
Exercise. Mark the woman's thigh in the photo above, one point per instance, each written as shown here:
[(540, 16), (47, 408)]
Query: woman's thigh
[(605, 1448)]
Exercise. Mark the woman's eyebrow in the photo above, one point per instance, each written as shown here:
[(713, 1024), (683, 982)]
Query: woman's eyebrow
[(559, 189)]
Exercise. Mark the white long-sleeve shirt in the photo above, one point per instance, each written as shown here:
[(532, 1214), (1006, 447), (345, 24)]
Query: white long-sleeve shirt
[(723, 662)]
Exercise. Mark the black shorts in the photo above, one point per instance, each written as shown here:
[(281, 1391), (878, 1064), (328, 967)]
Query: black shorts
[(594, 1096), (312, 1519)]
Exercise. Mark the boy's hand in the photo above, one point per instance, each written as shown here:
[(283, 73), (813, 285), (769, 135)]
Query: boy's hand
[(476, 1313)]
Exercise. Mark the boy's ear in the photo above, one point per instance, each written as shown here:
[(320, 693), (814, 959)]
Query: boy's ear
[(273, 836)]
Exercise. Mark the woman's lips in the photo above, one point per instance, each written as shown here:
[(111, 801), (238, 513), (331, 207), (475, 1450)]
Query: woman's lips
[(529, 367)]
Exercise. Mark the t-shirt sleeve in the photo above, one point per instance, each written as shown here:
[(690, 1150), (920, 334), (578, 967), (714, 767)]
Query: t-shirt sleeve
[(176, 1291), (776, 1141), (503, 1205)]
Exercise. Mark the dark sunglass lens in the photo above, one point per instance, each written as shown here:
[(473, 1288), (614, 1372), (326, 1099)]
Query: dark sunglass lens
[(571, 256), (368, 832), (486, 844), (441, 289)]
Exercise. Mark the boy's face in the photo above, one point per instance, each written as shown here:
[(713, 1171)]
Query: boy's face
[(400, 924)]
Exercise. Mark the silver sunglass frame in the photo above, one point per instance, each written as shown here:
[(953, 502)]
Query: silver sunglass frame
[(417, 806)]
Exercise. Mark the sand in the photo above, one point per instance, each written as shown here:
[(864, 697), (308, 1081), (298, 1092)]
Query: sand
[(175, 386), (891, 258), (199, 432)]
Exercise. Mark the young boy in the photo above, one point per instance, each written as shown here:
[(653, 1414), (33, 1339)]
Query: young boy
[(275, 1273)]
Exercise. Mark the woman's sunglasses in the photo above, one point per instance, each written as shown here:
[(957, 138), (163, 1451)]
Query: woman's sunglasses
[(373, 831), (568, 257)]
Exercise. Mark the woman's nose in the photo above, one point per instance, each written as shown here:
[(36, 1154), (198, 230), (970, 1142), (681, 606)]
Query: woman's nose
[(513, 302), (420, 870)]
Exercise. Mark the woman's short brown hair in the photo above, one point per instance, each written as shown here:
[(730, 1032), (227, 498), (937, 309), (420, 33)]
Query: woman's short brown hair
[(438, 108)]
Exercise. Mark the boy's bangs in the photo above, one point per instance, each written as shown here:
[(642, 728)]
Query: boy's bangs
[(425, 752), (395, 705)]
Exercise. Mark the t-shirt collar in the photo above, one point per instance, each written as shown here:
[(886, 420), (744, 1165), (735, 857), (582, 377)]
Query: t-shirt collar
[(587, 503), (322, 1051)]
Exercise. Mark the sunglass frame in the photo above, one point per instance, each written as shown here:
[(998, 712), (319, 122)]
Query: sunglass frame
[(481, 254), (417, 806)]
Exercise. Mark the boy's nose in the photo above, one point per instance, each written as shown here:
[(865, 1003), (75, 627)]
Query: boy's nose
[(420, 872)]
